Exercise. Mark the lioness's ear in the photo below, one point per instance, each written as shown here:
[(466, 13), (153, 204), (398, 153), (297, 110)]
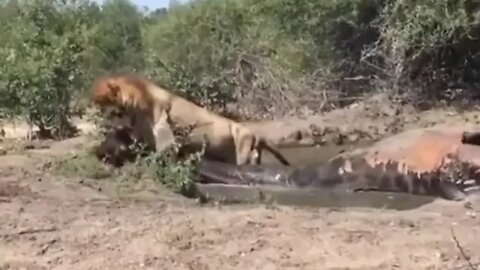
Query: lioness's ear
[(114, 87)]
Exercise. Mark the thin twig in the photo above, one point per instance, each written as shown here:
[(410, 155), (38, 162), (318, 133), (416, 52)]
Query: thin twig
[(29, 231), (36, 230), (462, 251)]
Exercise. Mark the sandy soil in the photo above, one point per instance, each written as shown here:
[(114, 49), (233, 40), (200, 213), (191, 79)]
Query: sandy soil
[(53, 223)]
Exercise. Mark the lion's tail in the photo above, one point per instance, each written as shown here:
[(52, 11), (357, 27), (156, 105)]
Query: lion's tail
[(264, 144)]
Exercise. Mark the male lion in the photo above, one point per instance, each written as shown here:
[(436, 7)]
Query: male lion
[(143, 103)]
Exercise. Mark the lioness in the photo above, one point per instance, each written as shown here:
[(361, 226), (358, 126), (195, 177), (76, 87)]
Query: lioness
[(135, 99)]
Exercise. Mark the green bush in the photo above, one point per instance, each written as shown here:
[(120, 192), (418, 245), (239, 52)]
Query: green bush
[(223, 49), (428, 46), (176, 175), (43, 50), (51, 50), (119, 37), (199, 45), (266, 56)]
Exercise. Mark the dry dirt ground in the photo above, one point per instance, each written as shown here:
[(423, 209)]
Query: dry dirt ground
[(52, 222)]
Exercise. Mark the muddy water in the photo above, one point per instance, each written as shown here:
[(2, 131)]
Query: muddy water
[(309, 155), (313, 197)]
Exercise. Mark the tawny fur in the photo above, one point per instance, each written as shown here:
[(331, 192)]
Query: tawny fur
[(141, 99)]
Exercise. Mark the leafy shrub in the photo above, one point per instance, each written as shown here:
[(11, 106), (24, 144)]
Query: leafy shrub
[(43, 60), (259, 50), (429, 46), (267, 57), (175, 174), (119, 37), (51, 50)]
